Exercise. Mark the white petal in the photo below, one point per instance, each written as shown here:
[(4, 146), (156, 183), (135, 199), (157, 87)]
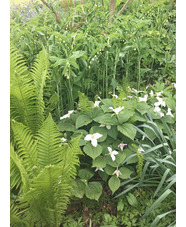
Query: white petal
[(65, 116), (114, 152), (97, 135), (88, 137), (94, 142), (108, 126), (109, 149), (113, 157), (70, 111), (157, 104)]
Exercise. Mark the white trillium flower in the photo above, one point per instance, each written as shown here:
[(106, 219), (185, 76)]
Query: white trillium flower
[(67, 115), (159, 93), (130, 96), (160, 102), (96, 104), (122, 145), (157, 109), (117, 172), (112, 153), (117, 110), (107, 126), (115, 96), (99, 169), (151, 93), (93, 138), (169, 112), (144, 99)]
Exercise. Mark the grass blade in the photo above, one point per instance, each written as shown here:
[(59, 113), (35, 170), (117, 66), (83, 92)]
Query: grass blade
[(157, 202)]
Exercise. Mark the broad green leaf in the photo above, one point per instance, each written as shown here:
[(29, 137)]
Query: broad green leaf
[(132, 159), (109, 170), (79, 189), (93, 190), (66, 125), (124, 115), (125, 173), (91, 151), (142, 107), (83, 120), (139, 117), (114, 183), (85, 174), (132, 200), (128, 130), (107, 119), (99, 162), (113, 132)]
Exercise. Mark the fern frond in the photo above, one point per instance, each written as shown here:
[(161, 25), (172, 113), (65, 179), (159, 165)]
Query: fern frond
[(22, 92), (18, 174), (39, 73), (70, 155), (15, 218), (48, 197), (84, 103), (48, 143), (26, 145)]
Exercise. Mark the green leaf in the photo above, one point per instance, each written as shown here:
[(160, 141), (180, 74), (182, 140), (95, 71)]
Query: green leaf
[(109, 170), (85, 174), (91, 151), (128, 130), (66, 125), (114, 183), (125, 173), (113, 132), (142, 107), (83, 120), (79, 189), (107, 119), (132, 200), (120, 205), (93, 190), (124, 115), (99, 162)]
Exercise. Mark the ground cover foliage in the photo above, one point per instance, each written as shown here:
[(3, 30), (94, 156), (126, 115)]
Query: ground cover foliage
[(93, 113)]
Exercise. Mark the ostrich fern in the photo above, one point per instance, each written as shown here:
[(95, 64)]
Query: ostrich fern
[(44, 169), (26, 89)]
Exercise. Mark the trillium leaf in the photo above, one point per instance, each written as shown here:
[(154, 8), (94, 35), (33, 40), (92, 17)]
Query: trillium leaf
[(128, 130), (85, 174), (91, 151), (99, 162), (93, 190), (142, 107), (107, 119), (114, 183), (83, 120), (125, 173), (66, 125), (79, 189), (109, 170), (113, 132), (124, 115)]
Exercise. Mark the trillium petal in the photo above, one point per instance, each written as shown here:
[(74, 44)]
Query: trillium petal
[(94, 142), (114, 152), (109, 149), (88, 137), (113, 157), (97, 135)]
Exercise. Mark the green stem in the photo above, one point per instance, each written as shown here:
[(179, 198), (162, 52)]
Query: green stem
[(139, 75)]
